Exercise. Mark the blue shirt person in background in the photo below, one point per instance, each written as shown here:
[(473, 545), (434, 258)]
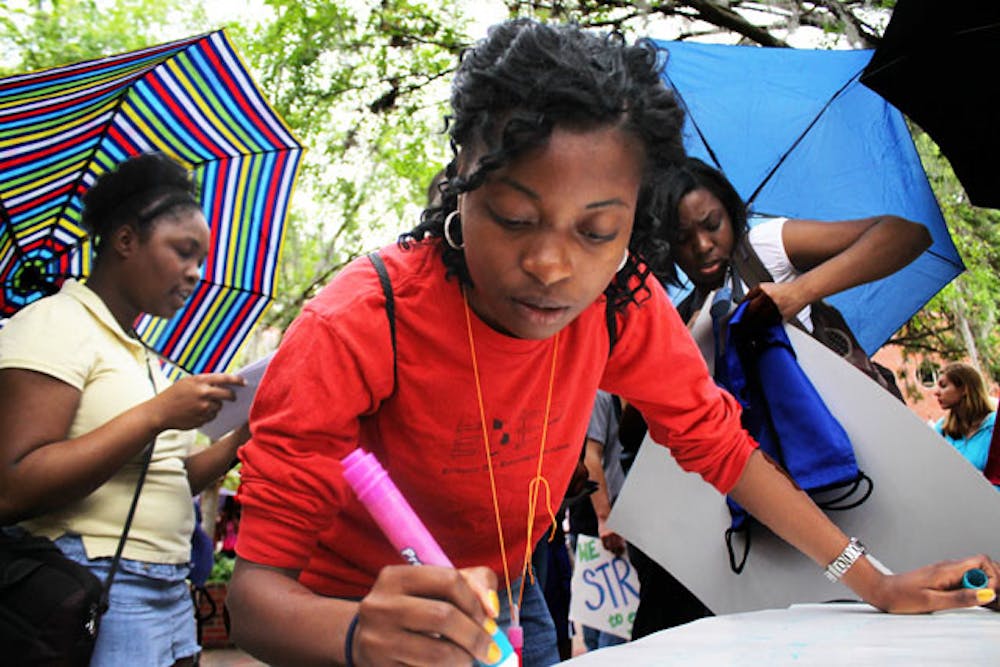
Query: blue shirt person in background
[(968, 426)]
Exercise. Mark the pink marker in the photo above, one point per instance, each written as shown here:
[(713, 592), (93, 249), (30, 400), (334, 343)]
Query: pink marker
[(397, 520)]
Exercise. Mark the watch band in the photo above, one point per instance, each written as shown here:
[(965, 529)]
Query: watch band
[(842, 563)]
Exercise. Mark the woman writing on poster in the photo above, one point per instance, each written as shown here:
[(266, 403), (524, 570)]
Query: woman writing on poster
[(475, 389)]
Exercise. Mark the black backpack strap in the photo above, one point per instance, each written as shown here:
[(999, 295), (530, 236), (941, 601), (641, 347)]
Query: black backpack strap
[(390, 303), (612, 324), (631, 433)]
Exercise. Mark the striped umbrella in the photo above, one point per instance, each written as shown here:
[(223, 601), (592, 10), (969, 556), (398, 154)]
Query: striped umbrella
[(191, 99)]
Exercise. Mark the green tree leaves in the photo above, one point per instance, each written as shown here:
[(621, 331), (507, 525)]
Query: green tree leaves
[(961, 320), (364, 87)]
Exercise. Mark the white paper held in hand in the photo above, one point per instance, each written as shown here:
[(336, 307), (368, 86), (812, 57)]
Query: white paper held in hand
[(234, 413)]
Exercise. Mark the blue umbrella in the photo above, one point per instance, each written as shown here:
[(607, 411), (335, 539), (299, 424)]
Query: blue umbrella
[(799, 136)]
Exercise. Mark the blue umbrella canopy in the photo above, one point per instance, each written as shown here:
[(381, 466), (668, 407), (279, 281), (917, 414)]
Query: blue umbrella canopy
[(799, 136)]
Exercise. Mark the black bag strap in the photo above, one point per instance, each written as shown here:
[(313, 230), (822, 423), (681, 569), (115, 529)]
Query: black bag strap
[(390, 303), (852, 494), (747, 264), (631, 432), (731, 534), (835, 333), (146, 458), (106, 592), (748, 267), (689, 304)]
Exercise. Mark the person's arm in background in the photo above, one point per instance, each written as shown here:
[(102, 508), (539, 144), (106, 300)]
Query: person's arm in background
[(835, 256), (211, 463), (594, 460)]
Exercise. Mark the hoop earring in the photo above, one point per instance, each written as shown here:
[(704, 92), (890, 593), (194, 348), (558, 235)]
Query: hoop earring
[(447, 231), (623, 262)]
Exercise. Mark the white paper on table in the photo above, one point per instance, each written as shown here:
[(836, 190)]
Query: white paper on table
[(604, 590), (815, 634), (234, 413), (928, 503)]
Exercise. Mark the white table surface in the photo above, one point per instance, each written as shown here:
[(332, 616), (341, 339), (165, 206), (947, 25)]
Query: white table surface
[(837, 634)]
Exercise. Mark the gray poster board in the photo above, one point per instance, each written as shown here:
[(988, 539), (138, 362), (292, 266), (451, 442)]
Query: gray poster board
[(928, 503)]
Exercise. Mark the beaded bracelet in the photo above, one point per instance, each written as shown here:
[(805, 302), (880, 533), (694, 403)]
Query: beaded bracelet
[(349, 642)]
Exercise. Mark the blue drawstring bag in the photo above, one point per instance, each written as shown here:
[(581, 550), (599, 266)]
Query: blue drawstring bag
[(782, 410)]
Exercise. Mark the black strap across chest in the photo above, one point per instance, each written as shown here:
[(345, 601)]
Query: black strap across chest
[(390, 303)]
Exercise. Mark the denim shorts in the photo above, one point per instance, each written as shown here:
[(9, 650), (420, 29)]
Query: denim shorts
[(150, 618)]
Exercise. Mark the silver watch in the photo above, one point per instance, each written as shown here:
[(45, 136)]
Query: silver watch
[(842, 563)]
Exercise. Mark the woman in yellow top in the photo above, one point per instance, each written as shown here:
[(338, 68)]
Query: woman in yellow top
[(80, 408)]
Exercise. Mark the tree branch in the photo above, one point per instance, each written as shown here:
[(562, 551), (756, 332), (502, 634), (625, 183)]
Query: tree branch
[(716, 14), (857, 31)]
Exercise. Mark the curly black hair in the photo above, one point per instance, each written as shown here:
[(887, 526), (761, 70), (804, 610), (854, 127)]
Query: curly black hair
[(526, 78), (680, 180), (136, 192)]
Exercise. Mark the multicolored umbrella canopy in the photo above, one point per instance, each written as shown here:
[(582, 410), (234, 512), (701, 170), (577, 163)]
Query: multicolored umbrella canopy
[(191, 99)]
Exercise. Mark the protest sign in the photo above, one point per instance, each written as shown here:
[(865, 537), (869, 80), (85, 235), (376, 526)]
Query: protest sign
[(604, 592)]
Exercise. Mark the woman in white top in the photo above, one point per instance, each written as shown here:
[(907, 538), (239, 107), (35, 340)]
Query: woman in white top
[(704, 217)]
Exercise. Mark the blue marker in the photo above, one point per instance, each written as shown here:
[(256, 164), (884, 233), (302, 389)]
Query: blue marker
[(974, 578)]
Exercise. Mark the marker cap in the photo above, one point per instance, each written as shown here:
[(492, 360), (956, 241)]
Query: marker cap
[(974, 578)]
